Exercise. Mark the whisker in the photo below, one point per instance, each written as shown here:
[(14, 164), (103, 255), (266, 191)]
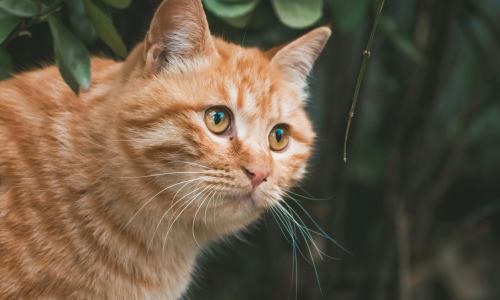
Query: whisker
[(304, 190), (171, 206), (314, 265), (290, 216), (296, 271), (208, 204), (221, 194), (190, 163), (286, 223), (307, 244), (161, 174), (314, 199), (292, 235), (152, 199), (194, 219), (286, 216), (189, 203), (303, 228), (273, 214), (304, 231), (294, 247), (323, 232)]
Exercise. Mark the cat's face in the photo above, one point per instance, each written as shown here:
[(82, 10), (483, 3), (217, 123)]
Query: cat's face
[(225, 125)]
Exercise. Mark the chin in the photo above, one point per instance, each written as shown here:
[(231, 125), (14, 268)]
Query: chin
[(242, 208)]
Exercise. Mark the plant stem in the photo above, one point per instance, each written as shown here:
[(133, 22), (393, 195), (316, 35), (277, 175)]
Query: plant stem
[(360, 78), (42, 15)]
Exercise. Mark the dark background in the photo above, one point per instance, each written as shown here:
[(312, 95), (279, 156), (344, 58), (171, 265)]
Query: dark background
[(418, 201)]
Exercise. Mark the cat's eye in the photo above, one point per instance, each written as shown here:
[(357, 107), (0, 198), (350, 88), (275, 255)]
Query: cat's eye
[(217, 119), (279, 137)]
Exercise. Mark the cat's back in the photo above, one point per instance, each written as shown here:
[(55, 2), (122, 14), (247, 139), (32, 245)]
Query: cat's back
[(37, 104), (31, 105), (40, 117), (26, 99), (31, 98), (43, 126)]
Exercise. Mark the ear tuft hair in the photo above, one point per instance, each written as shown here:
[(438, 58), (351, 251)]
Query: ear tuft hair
[(179, 30), (296, 59)]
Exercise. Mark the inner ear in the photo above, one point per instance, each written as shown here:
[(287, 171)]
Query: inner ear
[(295, 59), (179, 31)]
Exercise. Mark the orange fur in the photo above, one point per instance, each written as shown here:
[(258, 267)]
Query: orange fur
[(83, 211)]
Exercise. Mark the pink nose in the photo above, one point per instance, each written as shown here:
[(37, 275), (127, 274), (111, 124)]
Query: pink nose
[(256, 176)]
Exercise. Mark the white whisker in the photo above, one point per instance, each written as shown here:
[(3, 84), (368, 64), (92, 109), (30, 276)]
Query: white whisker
[(171, 206), (221, 194), (152, 199), (190, 163), (314, 199), (189, 203), (161, 174), (194, 219), (208, 204)]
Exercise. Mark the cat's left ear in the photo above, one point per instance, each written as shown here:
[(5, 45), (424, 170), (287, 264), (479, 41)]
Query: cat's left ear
[(179, 31), (295, 60)]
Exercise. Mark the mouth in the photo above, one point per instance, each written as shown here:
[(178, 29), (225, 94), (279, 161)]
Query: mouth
[(241, 196), (244, 199)]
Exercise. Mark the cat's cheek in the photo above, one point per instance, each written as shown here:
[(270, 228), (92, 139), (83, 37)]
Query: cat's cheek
[(290, 165)]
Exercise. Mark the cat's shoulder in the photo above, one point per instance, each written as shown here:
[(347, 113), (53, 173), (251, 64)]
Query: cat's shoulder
[(45, 87)]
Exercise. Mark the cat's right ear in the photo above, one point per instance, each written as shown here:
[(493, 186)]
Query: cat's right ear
[(179, 31), (295, 59)]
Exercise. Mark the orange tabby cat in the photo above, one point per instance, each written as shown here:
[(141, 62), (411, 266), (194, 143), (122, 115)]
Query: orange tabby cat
[(113, 194)]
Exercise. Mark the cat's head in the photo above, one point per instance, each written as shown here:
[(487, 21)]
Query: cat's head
[(221, 122)]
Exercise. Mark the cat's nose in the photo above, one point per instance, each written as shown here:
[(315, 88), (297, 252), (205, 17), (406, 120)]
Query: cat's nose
[(256, 175)]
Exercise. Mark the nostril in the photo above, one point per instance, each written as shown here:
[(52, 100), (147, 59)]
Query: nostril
[(248, 173), (256, 175)]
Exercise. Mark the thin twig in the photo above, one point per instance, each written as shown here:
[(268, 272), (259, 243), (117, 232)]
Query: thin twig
[(42, 15), (360, 78)]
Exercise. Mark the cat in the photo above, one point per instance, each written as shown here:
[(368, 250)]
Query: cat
[(113, 194)]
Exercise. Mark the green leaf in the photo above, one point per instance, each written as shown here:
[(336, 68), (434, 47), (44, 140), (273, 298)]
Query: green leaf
[(298, 13), (103, 24), (8, 22), (6, 65), (20, 8), (231, 8), (119, 3), (80, 24), (349, 13), (239, 22), (72, 57)]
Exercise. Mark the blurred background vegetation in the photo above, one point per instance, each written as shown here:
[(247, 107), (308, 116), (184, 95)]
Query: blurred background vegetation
[(418, 201)]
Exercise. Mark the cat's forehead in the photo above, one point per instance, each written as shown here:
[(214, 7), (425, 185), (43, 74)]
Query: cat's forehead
[(250, 85), (241, 79)]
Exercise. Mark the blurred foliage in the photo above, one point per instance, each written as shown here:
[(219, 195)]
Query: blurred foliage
[(17, 16), (417, 202), (71, 55)]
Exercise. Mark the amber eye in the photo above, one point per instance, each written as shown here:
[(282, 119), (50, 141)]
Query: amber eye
[(279, 137), (217, 119)]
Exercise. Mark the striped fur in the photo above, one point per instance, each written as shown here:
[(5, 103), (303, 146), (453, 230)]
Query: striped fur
[(80, 195)]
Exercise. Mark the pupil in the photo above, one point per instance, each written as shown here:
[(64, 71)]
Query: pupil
[(279, 134), (218, 117)]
